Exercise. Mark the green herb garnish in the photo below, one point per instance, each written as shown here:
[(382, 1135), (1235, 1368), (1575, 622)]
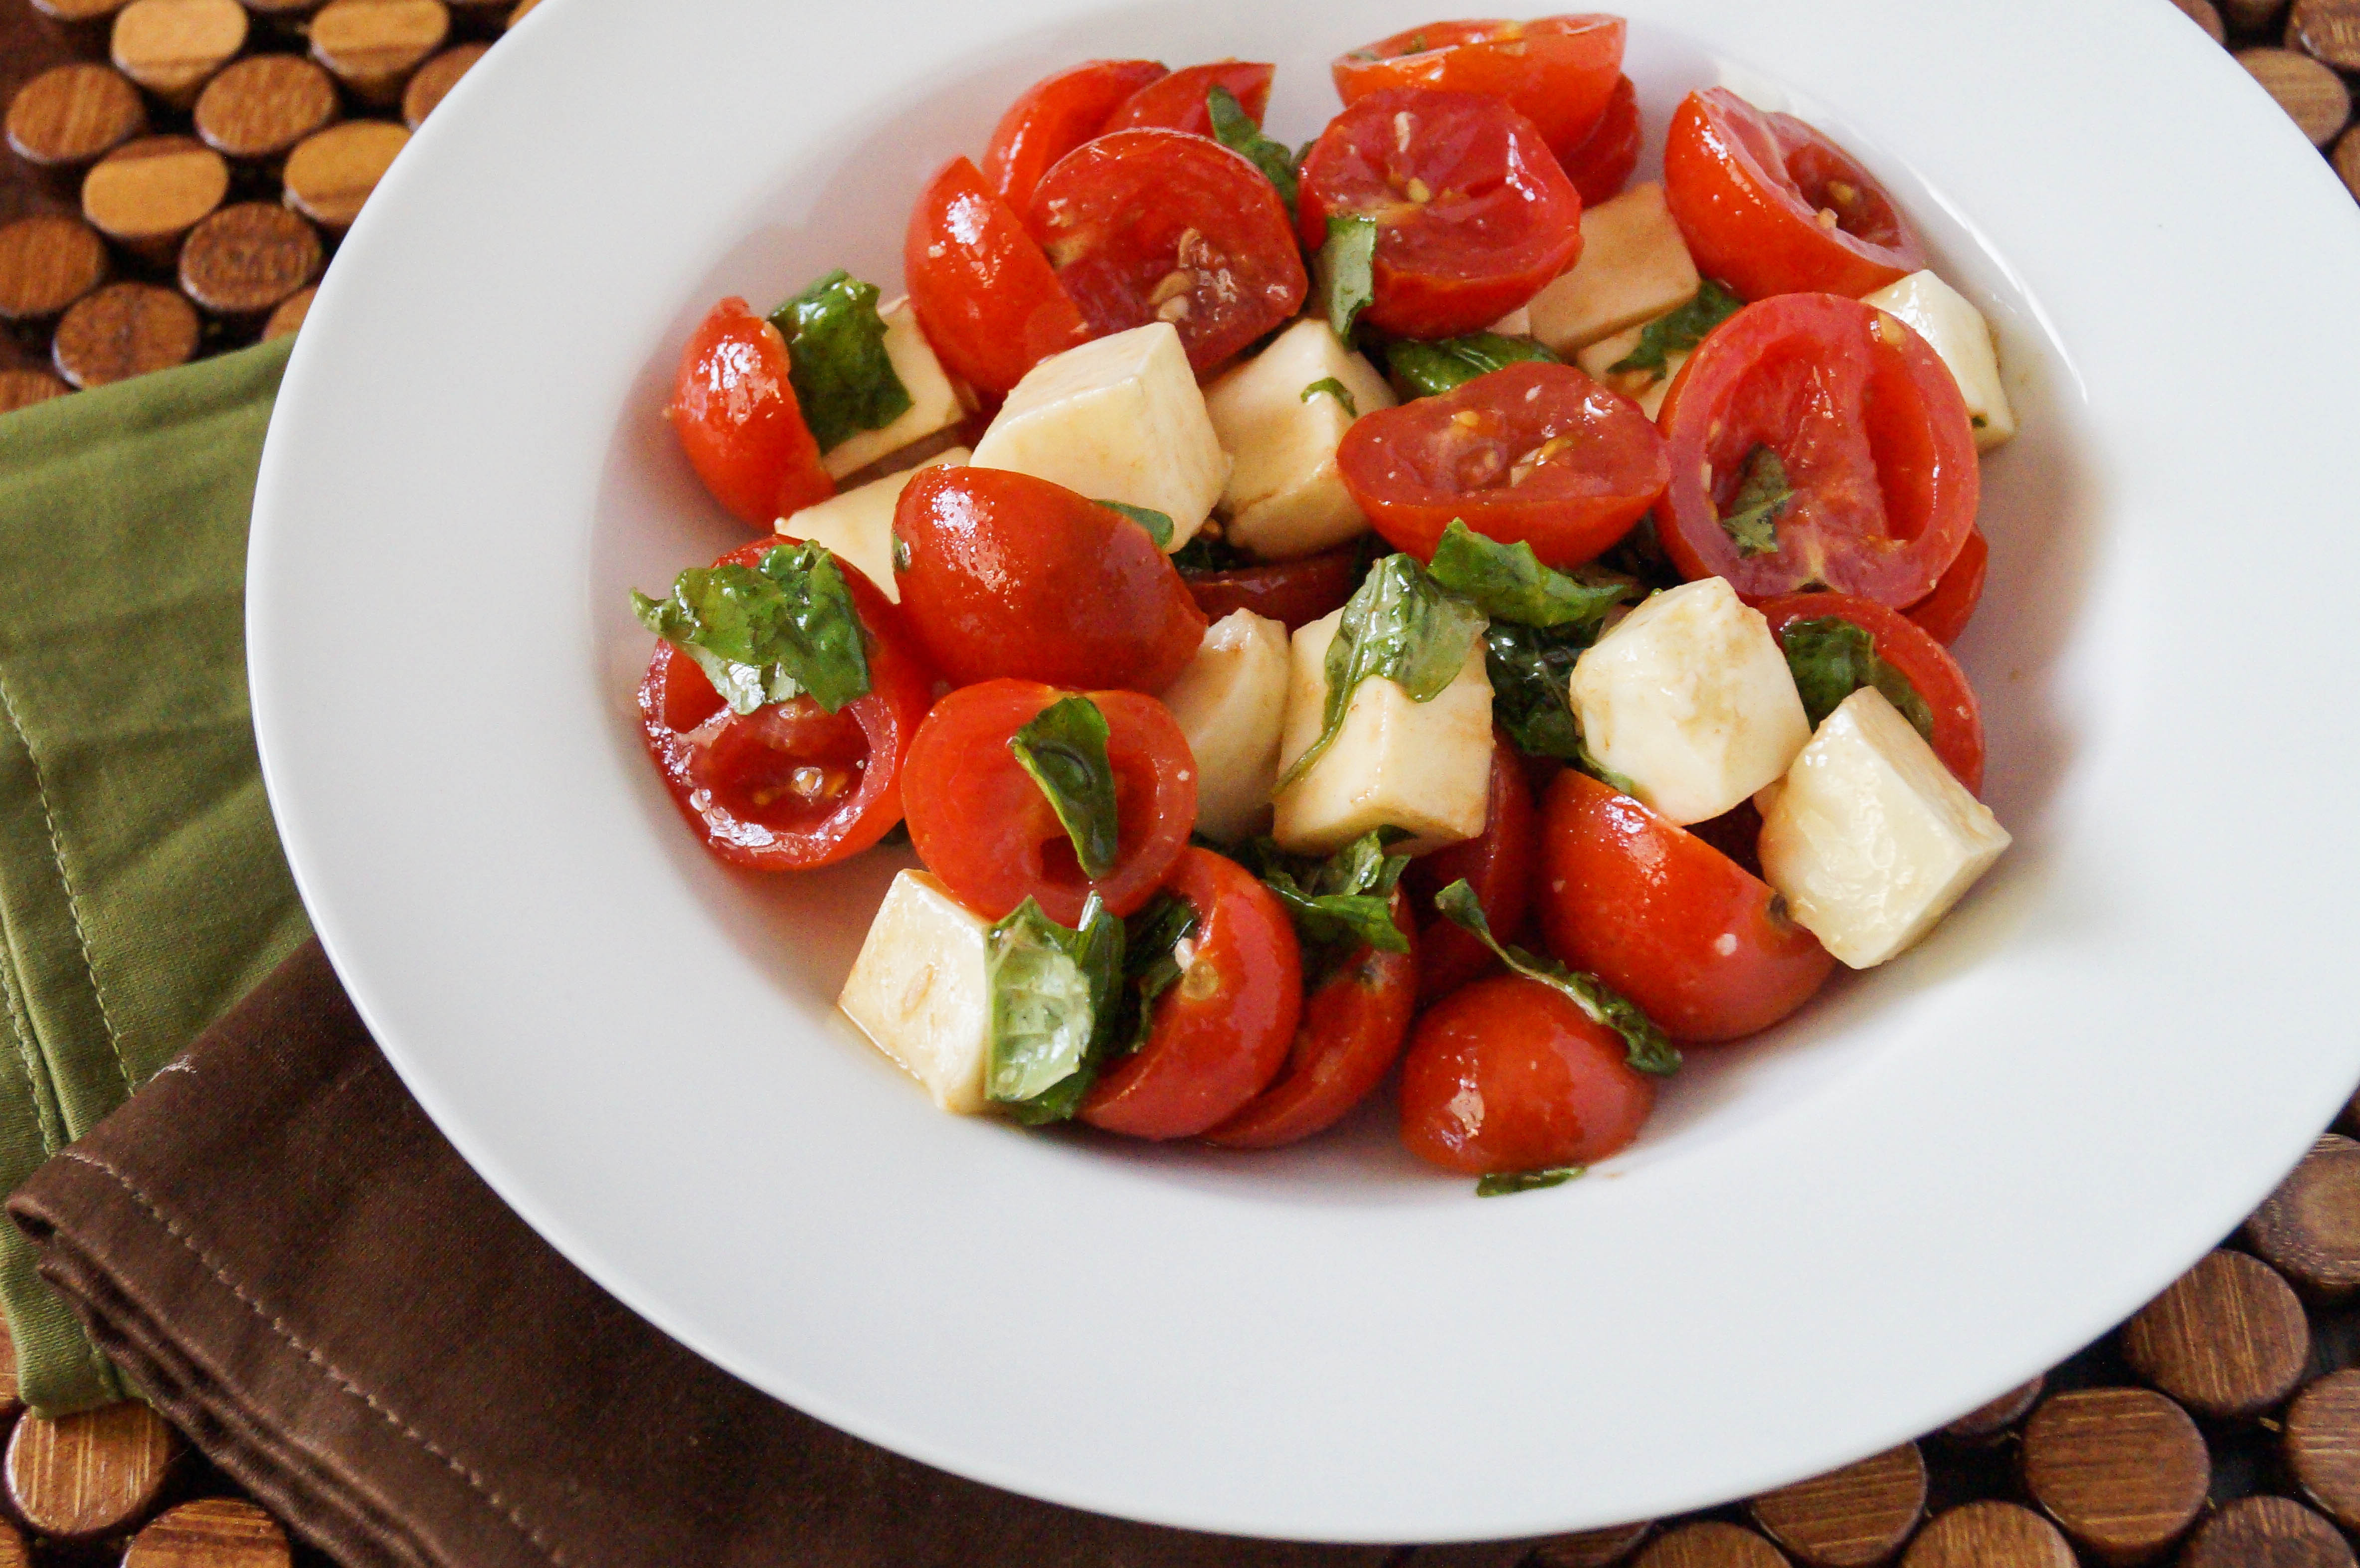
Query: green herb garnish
[(1508, 582), (1053, 1007), (781, 628), (1336, 389), (1345, 275), (1422, 368), (1763, 493), (1831, 659), (1151, 967), (1236, 130), (1678, 333), (1065, 750), (1398, 626), (1499, 1184), (1157, 524), (1645, 1047), (1344, 900), (844, 380)]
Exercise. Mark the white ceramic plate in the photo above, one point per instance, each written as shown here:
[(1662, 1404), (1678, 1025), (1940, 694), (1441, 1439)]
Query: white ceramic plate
[(1940, 1180)]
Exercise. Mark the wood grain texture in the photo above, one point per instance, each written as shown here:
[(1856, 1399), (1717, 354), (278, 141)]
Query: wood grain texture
[(12, 1402), (1986, 1422), (1989, 1535), (374, 45), (331, 174), (145, 194), (2123, 1471), (1857, 1517), (2312, 95), (2266, 1532), (2322, 1445), (260, 107), (173, 46), (78, 10), (91, 1474), (2252, 16), (71, 115), (213, 1532), (1712, 1544), (2348, 161), (246, 259), (2228, 1338), (523, 8), (289, 315), (2309, 1228), (1592, 1548), (21, 388), (2327, 30), (2207, 16), (122, 330), (47, 262), (435, 79)]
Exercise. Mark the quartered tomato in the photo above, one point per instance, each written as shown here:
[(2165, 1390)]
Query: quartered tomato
[(1770, 206), (1946, 611), (1535, 452), (1601, 164), (1901, 642), (1701, 945), (1221, 1030), (983, 826), (1864, 423), (1498, 865), (1177, 102), (1473, 215), (1003, 574), (1296, 592), (1509, 1074), (1557, 71), (734, 412), (989, 302), (1056, 115), (1159, 225)]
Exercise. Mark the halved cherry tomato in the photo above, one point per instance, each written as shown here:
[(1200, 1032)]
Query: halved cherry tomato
[(1473, 215), (1056, 115), (1602, 163), (1770, 206), (983, 826), (1537, 452), (990, 304), (1702, 947), (1296, 592), (1354, 1024), (734, 412), (1946, 611), (1164, 226), (1958, 737), (789, 786), (1557, 71), (1221, 1030), (1003, 574), (1509, 1074), (1869, 429), (1498, 865), (1177, 102)]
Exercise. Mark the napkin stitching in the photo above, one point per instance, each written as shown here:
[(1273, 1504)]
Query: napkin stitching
[(513, 1514)]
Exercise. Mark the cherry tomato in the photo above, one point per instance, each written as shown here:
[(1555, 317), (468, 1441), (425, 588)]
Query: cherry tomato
[(983, 826), (1865, 422), (1770, 206), (1056, 115), (1159, 225), (1499, 864), (1296, 592), (988, 303), (1958, 737), (1946, 611), (1509, 1074), (1557, 71), (734, 412), (1177, 102), (1704, 948), (1537, 453), (1222, 1030), (1473, 215), (1601, 164)]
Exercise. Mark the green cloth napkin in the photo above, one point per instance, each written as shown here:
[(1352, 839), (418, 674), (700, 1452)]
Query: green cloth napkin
[(142, 890)]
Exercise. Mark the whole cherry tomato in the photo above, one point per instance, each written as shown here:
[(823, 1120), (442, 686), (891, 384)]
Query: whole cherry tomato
[(1296, 592), (981, 824), (1509, 1074), (1770, 206), (1221, 1030), (987, 300), (1557, 71), (1848, 411), (1499, 864), (1002, 573), (1958, 737), (1535, 452), (1056, 115), (1601, 166), (1946, 611), (1704, 948), (1177, 102), (734, 412)]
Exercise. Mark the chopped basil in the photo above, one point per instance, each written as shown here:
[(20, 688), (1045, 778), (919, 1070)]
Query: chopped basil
[(1344, 900), (1641, 555), (844, 380), (767, 633), (1236, 130), (1336, 389), (1052, 1005), (1530, 671), (1208, 551), (1151, 967), (1832, 659), (1680, 331), (1157, 524), (1345, 276), (1508, 582), (1398, 626), (1065, 750), (1499, 1184), (1422, 368), (1646, 1046), (1763, 492), (1588, 764), (1978, 421)]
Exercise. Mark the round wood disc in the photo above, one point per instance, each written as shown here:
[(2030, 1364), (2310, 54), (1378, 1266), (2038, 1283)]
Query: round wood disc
[(22, 389), (436, 78), (214, 1532), (12, 1399), (2327, 30), (1985, 1422), (172, 46), (374, 45), (149, 193), (47, 262), (14, 1553), (1712, 1545), (1591, 1548), (2251, 16), (289, 315), (74, 114), (246, 259), (2207, 16), (78, 10), (2309, 1228), (2227, 1339), (2348, 161), (124, 330), (2123, 1470), (1989, 1535), (523, 8), (90, 1475), (2321, 1444), (263, 105), (1852, 1518), (2314, 95), (331, 174), (2266, 1532)]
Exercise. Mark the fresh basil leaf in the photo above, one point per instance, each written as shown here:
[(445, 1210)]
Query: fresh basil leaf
[(1157, 524), (1065, 750), (767, 633), (1398, 626), (1052, 1005), (1235, 129), (1531, 671), (1152, 966), (1763, 492), (1344, 278), (1336, 389), (1587, 763), (1344, 900), (1206, 550), (1645, 1047), (1640, 555), (1499, 1184), (1831, 659), (1422, 367), (844, 380), (1680, 331), (1508, 582)]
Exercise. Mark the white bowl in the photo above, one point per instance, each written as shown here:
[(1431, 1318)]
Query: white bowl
[(1942, 1178)]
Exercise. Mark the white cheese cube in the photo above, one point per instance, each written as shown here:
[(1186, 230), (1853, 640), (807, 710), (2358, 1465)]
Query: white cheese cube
[(920, 991), (1516, 324), (1285, 498), (857, 524), (1957, 332), (1635, 266), (1690, 698), (1421, 766), (1645, 388), (1118, 419), (1871, 839), (935, 403), (1230, 703)]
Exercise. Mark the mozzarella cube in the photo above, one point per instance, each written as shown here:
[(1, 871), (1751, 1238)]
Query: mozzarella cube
[(1957, 332), (934, 402), (1425, 767), (1871, 839), (920, 990), (1635, 266), (857, 524), (1231, 702), (1645, 388), (1285, 498), (1516, 324), (1118, 419), (1690, 698)]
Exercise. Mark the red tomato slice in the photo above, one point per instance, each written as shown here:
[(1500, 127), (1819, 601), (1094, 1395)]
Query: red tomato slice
[(988, 303), (1702, 947), (1770, 206), (1003, 574), (1537, 453), (1164, 226), (1296, 592), (982, 825), (1946, 611), (1056, 115), (1177, 102), (1601, 164), (1869, 426), (734, 412), (1927, 665), (1222, 1030), (1557, 71), (1498, 865)]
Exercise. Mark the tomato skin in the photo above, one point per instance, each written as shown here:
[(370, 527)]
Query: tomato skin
[(1222, 1030), (1498, 864), (988, 300), (981, 824), (1944, 613), (735, 413), (1872, 431), (1746, 188), (1010, 575), (1601, 164), (1958, 737), (1177, 102), (1557, 71), (1056, 115), (1414, 468), (1509, 1074), (1499, 221), (1648, 908), (1296, 592)]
